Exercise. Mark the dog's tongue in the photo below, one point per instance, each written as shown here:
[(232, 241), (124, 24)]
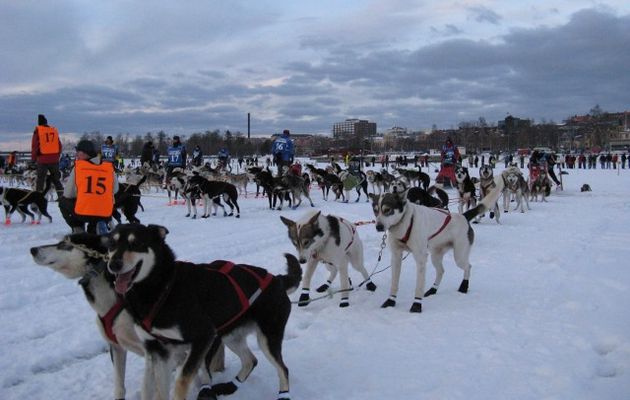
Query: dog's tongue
[(121, 285)]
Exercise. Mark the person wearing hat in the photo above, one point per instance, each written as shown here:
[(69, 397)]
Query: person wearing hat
[(147, 154), (176, 157), (88, 196), (45, 152), (282, 150), (109, 151)]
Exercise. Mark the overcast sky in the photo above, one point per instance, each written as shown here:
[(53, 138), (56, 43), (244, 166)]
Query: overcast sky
[(184, 67)]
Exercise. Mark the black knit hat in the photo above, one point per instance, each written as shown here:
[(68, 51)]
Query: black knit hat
[(41, 120), (87, 147), (286, 132)]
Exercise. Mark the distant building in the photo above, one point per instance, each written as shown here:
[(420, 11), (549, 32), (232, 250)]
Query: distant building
[(353, 127), (512, 124), (397, 131)]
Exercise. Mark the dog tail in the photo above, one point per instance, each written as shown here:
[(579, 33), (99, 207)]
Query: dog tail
[(488, 202), (292, 279), (441, 194)]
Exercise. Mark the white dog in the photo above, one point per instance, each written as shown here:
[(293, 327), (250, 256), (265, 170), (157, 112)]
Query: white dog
[(333, 241), (422, 230)]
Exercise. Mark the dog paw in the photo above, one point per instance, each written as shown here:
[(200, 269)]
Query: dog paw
[(187, 215), (389, 303), (322, 288), (463, 288), (222, 389), (238, 216), (205, 216), (370, 286), (304, 300), (206, 394), (416, 308), (430, 292)]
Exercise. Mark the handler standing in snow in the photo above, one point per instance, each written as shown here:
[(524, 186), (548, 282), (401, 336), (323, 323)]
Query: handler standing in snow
[(89, 193), (282, 151), (45, 151)]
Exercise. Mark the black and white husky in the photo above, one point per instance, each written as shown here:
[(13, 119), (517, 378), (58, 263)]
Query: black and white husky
[(423, 231), (466, 190), (81, 256), (211, 190), (333, 241), (20, 199), (199, 305)]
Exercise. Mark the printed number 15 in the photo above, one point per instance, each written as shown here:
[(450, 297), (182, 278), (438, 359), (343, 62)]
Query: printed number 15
[(100, 185)]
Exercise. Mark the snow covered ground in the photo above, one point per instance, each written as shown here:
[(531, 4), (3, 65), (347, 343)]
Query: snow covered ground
[(546, 316)]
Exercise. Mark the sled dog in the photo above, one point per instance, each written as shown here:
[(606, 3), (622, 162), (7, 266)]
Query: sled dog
[(334, 242), (20, 199), (421, 231), (199, 305), (514, 184), (486, 184), (82, 256), (466, 190)]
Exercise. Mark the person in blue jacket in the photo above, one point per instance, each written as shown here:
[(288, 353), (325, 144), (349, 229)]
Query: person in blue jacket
[(223, 159), (176, 157), (283, 150), (109, 150)]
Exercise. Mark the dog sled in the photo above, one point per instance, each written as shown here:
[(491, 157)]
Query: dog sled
[(534, 172), (446, 176)]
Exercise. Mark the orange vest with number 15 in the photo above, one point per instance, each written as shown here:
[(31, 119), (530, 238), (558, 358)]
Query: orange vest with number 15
[(95, 189), (48, 139)]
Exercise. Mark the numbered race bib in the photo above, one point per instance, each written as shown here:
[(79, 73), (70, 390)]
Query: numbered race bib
[(95, 189)]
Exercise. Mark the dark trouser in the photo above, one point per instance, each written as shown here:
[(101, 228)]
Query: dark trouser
[(66, 206), (553, 175), (281, 163), (55, 175)]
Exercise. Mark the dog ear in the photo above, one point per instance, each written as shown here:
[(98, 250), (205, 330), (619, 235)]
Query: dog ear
[(314, 218), (287, 222), (160, 230), (374, 197)]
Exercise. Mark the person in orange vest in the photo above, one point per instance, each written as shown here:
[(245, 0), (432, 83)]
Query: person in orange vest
[(89, 193), (45, 152)]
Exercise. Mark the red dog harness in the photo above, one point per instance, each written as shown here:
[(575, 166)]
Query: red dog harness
[(245, 301), (446, 221), (108, 319)]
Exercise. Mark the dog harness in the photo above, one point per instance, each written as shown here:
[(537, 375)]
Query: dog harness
[(446, 221), (262, 281), (353, 231), (108, 319), (405, 238)]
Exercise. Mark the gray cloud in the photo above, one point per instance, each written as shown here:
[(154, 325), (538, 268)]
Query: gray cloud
[(540, 72), (483, 14)]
